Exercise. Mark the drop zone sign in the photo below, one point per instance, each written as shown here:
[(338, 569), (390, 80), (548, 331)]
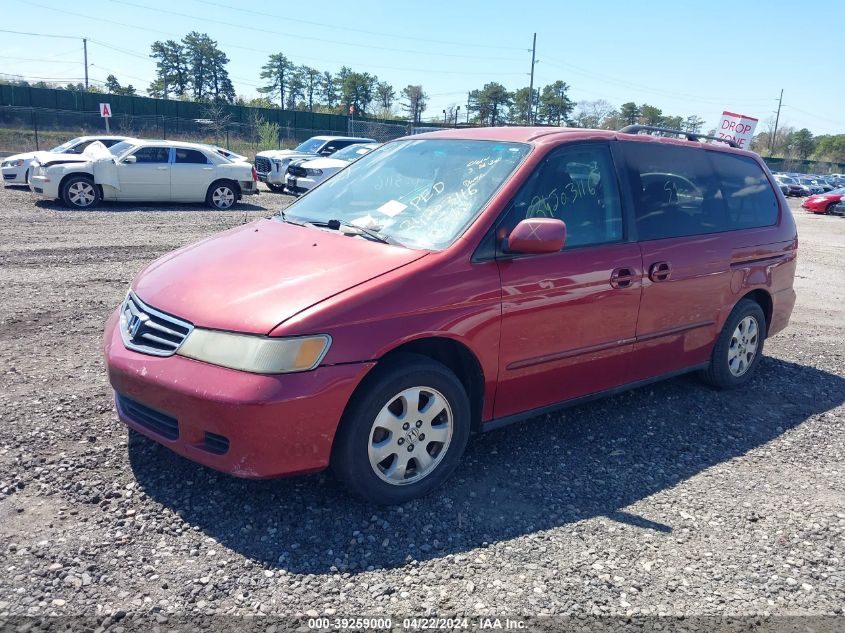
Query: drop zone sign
[(738, 128)]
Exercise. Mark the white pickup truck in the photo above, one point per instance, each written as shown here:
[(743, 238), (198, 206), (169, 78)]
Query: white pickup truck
[(142, 170), (271, 165)]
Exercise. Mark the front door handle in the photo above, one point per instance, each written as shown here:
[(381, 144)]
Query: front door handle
[(622, 278), (659, 271), (162, 168)]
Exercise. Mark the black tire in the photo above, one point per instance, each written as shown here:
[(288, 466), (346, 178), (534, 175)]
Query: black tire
[(720, 373), (829, 209), (350, 452), (276, 188), (220, 192), (80, 192)]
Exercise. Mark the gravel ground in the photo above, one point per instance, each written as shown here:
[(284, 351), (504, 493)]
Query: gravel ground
[(669, 499)]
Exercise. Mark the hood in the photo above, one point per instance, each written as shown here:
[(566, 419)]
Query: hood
[(325, 163), (49, 158), (283, 153), (27, 156), (254, 277)]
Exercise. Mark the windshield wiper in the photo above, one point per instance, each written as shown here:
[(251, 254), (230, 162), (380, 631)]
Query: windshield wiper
[(284, 218), (359, 230)]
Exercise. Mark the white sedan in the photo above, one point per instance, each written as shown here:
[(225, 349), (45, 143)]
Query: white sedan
[(303, 175), (141, 170), (16, 168)]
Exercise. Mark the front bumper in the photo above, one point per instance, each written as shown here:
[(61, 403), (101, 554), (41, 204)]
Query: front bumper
[(14, 175), (300, 185), (275, 425), (272, 178), (44, 186)]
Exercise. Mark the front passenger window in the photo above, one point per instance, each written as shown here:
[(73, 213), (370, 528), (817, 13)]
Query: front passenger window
[(577, 185), (152, 155)]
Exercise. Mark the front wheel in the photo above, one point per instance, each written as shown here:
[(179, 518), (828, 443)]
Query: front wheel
[(404, 433), (221, 195), (738, 348), (80, 192)]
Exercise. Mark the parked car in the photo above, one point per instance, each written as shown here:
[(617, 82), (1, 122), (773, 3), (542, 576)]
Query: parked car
[(452, 282), (305, 174), (811, 185), (792, 186), (137, 169), (272, 164), (16, 169), (823, 202)]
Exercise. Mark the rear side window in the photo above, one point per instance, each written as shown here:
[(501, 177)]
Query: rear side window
[(749, 197), (190, 156), (681, 191)]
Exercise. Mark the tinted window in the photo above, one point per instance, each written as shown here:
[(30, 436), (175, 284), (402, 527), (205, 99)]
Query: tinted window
[(152, 155), (576, 185), (746, 191), (108, 142), (190, 156), (692, 191)]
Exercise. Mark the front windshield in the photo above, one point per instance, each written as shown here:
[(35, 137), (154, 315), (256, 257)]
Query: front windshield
[(788, 180), (310, 146), (65, 146), (422, 193), (121, 148), (352, 152)]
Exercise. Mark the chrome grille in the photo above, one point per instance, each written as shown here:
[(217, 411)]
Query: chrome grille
[(146, 330), (262, 165)]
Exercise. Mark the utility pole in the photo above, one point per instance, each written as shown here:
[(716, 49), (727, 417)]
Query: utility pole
[(85, 52), (531, 85), (775, 133)]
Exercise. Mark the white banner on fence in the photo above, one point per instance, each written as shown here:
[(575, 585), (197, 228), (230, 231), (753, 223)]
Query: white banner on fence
[(738, 128)]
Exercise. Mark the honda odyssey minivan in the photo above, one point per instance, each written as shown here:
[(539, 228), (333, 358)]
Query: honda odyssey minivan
[(450, 283)]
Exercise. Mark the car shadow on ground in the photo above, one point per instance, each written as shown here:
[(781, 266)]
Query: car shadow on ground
[(589, 461), (151, 207)]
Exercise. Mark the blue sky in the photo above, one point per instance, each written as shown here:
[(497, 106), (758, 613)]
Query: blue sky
[(684, 57)]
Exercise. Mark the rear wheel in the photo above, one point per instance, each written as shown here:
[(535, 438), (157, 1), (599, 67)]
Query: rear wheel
[(404, 433), (221, 195), (80, 192), (738, 348)]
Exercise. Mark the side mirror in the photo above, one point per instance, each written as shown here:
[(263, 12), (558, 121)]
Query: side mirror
[(534, 236), (129, 160)]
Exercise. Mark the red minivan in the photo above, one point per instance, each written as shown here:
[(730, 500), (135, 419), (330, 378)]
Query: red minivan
[(448, 283)]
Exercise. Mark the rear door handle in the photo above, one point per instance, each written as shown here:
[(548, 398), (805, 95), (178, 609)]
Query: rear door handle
[(659, 271), (622, 278), (208, 168), (162, 168)]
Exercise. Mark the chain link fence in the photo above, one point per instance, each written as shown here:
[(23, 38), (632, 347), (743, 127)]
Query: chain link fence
[(25, 129), (384, 131)]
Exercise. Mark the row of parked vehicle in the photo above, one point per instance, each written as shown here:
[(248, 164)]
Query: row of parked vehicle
[(88, 169), (85, 170), (302, 168)]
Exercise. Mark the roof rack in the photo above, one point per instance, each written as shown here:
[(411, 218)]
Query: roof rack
[(691, 136)]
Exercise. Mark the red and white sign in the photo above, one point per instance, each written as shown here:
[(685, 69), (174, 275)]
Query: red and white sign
[(105, 110), (738, 128)]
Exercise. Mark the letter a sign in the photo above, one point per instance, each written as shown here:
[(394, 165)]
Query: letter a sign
[(105, 110)]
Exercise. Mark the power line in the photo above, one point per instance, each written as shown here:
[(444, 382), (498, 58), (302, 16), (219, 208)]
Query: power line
[(64, 37), (285, 18), (322, 40)]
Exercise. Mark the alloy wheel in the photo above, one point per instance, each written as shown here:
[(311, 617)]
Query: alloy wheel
[(82, 194), (223, 197), (410, 435), (743, 346)]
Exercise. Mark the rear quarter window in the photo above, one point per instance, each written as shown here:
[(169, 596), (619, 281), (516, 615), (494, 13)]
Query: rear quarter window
[(685, 191)]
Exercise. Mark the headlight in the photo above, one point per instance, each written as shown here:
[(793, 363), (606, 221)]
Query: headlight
[(13, 163), (257, 354), (314, 172)]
